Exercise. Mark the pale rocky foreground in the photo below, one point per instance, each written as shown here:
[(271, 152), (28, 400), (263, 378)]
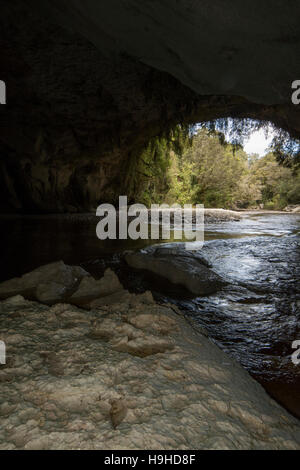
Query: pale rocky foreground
[(129, 375)]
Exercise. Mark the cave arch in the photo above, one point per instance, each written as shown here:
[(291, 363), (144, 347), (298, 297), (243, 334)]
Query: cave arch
[(90, 83)]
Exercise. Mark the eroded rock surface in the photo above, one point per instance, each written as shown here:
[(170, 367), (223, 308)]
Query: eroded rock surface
[(90, 289), (48, 284), (105, 77), (294, 209), (132, 375), (179, 266), (58, 282), (217, 215)]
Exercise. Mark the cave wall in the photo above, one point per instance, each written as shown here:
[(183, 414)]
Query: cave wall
[(89, 83), (74, 115)]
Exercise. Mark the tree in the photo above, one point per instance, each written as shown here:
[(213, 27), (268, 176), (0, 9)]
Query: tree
[(208, 170)]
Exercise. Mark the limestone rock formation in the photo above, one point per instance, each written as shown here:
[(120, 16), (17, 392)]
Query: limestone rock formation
[(294, 209), (132, 375), (116, 297), (89, 83), (48, 284), (57, 282), (218, 215), (190, 271), (89, 289)]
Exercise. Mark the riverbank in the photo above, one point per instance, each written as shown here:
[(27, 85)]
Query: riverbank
[(211, 215), (129, 374), (254, 319), (295, 210), (220, 214)]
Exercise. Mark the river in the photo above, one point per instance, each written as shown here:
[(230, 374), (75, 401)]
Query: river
[(255, 318)]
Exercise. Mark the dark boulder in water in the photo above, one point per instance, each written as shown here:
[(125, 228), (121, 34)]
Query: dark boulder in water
[(179, 266)]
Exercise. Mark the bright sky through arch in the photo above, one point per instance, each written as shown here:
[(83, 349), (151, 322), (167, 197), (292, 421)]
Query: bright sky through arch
[(258, 142)]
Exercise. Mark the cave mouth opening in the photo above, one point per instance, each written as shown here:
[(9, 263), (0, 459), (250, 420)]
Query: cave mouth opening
[(203, 163), (216, 163), (255, 320), (127, 98)]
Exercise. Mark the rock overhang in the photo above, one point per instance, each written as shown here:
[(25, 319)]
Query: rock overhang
[(248, 49), (90, 83)]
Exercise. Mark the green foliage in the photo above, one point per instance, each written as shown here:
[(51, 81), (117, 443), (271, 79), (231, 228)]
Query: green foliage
[(285, 148), (147, 177), (279, 185), (206, 169), (207, 172)]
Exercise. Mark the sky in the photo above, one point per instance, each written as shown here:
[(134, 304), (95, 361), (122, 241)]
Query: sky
[(258, 143)]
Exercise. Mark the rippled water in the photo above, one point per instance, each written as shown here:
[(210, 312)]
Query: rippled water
[(255, 318)]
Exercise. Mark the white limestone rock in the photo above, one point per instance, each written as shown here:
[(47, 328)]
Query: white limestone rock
[(49, 283), (90, 288), (132, 375)]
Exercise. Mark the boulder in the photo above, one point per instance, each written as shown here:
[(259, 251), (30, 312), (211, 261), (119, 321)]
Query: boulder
[(177, 249), (221, 215), (57, 282), (49, 284), (51, 292), (111, 299), (179, 266), (292, 208), (90, 288)]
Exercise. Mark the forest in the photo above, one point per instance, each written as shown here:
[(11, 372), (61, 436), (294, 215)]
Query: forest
[(206, 169)]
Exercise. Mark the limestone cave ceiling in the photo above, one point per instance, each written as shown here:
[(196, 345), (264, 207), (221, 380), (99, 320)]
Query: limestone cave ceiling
[(89, 80), (248, 48)]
